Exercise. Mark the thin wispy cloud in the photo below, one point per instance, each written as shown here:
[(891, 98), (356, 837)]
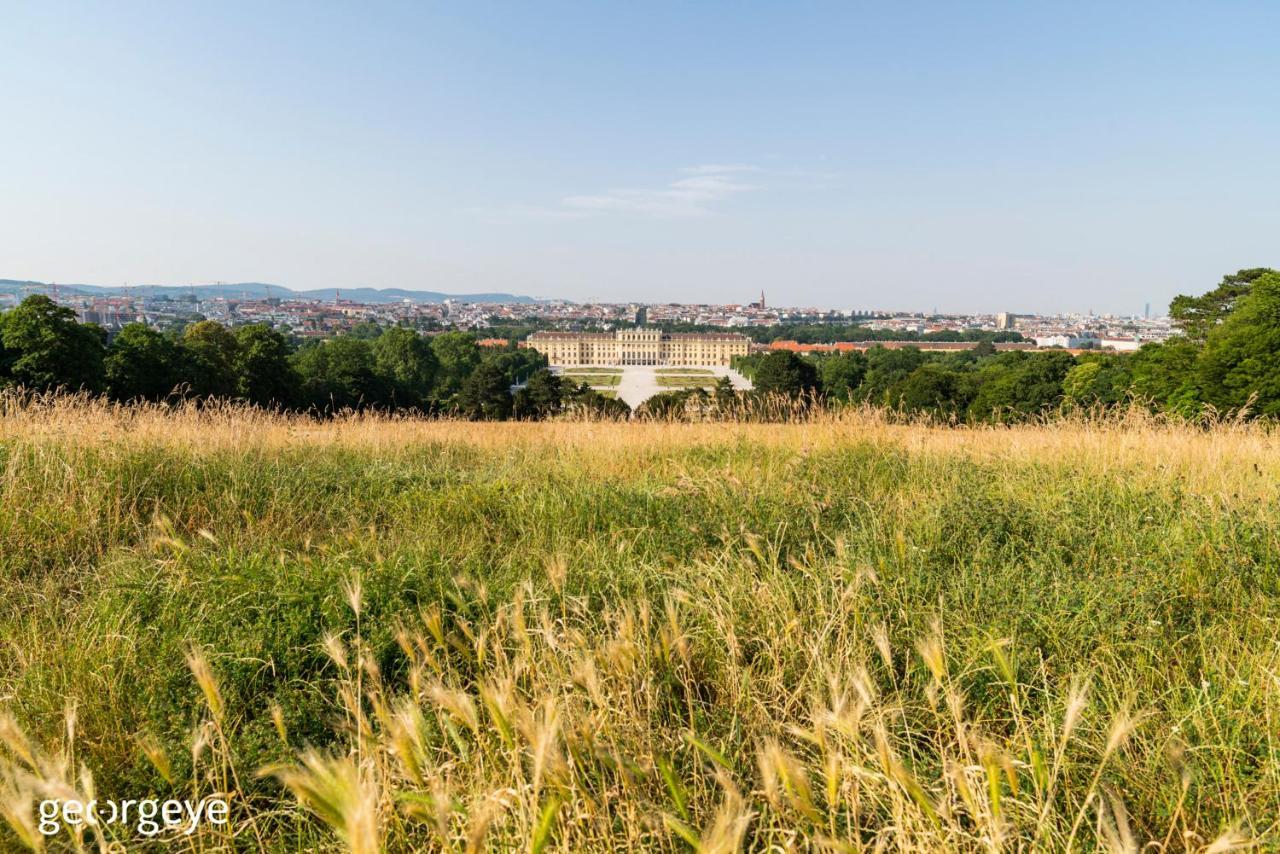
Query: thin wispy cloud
[(695, 194), (692, 196), (720, 168)]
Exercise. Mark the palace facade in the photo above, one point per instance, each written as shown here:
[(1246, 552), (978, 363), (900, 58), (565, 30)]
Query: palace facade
[(639, 346)]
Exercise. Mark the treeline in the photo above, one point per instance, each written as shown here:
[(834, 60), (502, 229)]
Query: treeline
[(805, 333), (1226, 360), (44, 348), (828, 333), (977, 384)]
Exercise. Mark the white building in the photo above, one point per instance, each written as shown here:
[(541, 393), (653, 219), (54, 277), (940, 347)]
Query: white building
[(1069, 340)]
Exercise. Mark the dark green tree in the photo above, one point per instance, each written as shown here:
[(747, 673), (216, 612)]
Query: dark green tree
[(1240, 364), (722, 393), (1017, 385), (365, 331), (929, 388), (587, 400), (339, 374), (409, 364), (1197, 316), (518, 365), (486, 394), (142, 364), (45, 348), (886, 368), (458, 356), (1164, 376), (983, 350), (747, 365), (842, 374), (5, 360), (541, 397), (667, 406), (210, 352), (264, 374), (1098, 380), (784, 372)]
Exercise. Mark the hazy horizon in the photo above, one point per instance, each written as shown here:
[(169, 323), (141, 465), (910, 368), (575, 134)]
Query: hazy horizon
[(979, 158), (353, 291)]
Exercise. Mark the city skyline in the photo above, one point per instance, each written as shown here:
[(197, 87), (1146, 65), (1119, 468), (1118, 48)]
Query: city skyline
[(984, 158), (11, 290)]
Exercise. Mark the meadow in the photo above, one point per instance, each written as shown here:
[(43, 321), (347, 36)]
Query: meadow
[(849, 633), (593, 378), (677, 381)]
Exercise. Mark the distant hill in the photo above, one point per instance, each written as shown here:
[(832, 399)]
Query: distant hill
[(261, 290)]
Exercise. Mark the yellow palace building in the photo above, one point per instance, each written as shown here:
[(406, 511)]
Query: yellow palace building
[(639, 346)]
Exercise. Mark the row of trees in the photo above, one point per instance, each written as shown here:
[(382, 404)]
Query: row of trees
[(977, 384), (826, 333), (43, 347), (1227, 358), (805, 333)]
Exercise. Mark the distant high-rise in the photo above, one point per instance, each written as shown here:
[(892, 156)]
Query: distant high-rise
[(1006, 320)]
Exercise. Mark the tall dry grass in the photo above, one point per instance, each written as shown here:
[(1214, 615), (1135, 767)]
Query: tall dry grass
[(850, 633)]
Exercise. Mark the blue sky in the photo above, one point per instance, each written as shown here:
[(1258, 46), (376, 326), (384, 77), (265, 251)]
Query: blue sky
[(1019, 156)]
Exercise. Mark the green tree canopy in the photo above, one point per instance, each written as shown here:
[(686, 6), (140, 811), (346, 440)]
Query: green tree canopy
[(784, 372), (339, 374), (588, 400), (1018, 384), (929, 388), (5, 361), (409, 363), (723, 392), (458, 356), (45, 348), (1197, 316), (885, 368), (518, 365), (365, 331), (210, 350), (264, 374), (542, 396), (1098, 380), (1240, 364), (842, 374), (666, 406), (142, 364), (1163, 375), (486, 394)]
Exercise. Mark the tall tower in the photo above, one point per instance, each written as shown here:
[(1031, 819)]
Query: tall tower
[(762, 298)]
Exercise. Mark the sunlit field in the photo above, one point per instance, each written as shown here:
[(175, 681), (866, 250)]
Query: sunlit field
[(842, 634), (593, 379)]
